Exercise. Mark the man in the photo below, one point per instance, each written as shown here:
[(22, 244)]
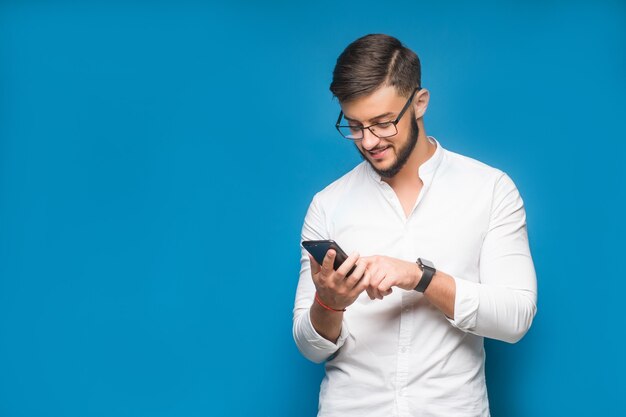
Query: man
[(446, 257)]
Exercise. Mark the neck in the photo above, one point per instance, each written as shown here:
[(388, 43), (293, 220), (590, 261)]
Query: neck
[(409, 174)]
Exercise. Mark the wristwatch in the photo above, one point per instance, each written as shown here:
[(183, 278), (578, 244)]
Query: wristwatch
[(428, 271)]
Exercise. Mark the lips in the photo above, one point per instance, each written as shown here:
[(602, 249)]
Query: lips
[(378, 153)]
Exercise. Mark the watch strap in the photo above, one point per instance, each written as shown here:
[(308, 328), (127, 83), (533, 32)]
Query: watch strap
[(427, 276)]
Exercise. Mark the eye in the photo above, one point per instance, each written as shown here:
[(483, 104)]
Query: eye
[(384, 124)]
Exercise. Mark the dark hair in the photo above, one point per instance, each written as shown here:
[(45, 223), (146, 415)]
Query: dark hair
[(374, 61)]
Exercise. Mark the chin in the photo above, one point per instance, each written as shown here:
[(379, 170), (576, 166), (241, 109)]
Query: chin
[(384, 166), (386, 163)]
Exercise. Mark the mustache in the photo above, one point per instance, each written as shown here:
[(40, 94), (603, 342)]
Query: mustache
[(379, 148), (363, 152)]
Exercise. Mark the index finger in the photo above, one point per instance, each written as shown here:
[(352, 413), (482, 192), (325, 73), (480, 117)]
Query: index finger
[(367, 260)]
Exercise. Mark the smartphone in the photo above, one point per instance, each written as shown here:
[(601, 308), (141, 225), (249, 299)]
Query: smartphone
[(318, 249)]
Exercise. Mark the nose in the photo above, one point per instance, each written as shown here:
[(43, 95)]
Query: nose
[(369, 140)]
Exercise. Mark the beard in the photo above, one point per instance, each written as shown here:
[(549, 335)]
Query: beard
[(403, 153)]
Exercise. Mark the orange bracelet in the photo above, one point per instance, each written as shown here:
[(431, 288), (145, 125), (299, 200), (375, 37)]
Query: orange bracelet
[(317, 298)]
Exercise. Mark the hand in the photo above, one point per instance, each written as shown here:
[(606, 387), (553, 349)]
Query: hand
[(333, 287), (384, 272)]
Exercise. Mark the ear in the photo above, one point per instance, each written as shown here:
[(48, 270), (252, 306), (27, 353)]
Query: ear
[(420, 103)]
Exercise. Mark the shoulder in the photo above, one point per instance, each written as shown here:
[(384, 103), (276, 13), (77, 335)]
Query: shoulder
[(326, 201), (478, 177), (469, 168)]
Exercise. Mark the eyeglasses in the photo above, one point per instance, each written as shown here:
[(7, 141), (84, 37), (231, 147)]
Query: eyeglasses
[(381, 130)]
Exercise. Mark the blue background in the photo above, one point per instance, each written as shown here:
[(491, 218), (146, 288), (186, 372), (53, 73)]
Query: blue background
[(157, 160)]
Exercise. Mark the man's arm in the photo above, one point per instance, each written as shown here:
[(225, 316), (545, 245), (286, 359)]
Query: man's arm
[(326, 323), (503, 304), (318, 326), (334, 292), (384, 272), (321, 335), (442, 292)]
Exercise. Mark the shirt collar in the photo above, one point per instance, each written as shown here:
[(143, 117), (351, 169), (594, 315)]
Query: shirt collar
[(426, 171)]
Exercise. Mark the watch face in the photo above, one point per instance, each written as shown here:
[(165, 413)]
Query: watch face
[(426, 262)]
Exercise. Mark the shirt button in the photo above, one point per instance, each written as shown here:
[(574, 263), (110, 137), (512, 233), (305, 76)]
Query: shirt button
[(403, 349)]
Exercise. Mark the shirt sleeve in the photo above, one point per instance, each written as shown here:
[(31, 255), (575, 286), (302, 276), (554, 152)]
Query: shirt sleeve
[(313, 346), (503, 304)]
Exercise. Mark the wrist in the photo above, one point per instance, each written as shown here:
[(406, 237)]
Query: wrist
[(427, 272), (417, 274), (326, 306)]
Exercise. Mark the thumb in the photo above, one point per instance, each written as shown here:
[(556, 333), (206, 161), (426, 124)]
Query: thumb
[(315, 267)]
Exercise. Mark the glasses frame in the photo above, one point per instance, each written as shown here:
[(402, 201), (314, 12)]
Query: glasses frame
[(394, 122)]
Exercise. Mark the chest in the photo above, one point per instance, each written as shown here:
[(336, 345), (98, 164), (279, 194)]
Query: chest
[(446, 226), (407, 196)]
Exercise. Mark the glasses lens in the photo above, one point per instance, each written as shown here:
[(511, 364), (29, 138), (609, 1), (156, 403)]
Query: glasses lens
[(351, 132), (384, 130)]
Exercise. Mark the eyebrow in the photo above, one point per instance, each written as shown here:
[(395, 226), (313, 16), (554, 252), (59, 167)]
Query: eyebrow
[(380, 116)]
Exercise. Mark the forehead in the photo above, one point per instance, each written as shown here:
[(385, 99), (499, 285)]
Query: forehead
[(384, 100)]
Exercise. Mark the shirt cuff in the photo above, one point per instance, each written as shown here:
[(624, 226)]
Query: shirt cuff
[(318, 342), (466, 304)]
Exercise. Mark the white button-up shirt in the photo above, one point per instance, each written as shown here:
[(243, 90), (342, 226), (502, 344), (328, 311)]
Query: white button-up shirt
[(401, 356)]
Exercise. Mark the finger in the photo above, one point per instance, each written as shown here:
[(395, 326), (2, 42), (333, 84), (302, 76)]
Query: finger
[(385, 286), (368, 276), (327, 264), (315, 267), (348, 264), (375, 293), (381, 289), (376, 277), (356, 277), (363, 284), (386, 293)]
